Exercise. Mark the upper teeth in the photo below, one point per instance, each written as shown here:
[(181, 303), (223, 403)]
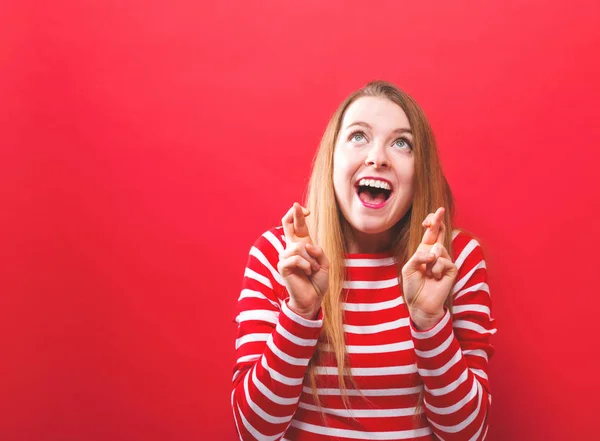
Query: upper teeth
[(374, 183)]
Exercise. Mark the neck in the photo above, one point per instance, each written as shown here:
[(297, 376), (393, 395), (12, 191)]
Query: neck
[(358, 242)]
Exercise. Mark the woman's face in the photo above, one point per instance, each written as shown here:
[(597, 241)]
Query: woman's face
[(373, 165)]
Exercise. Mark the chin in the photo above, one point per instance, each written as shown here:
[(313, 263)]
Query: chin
[(371, 227)]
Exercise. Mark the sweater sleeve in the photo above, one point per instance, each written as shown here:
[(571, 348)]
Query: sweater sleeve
[(273, 347), (452, 357)]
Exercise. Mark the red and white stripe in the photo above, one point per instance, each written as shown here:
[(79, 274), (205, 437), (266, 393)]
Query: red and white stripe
[(391, 362)]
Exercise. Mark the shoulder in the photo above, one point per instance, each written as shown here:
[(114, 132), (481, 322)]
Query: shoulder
[(263, 258), (271, 240), (267, 247), (466, 249)]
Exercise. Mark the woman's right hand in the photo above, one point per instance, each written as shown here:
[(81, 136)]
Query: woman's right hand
[(303, 265)]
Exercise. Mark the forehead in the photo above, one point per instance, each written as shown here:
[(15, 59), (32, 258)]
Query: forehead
[(379, 113)]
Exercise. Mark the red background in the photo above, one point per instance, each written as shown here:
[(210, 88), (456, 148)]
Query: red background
[(145, 145)]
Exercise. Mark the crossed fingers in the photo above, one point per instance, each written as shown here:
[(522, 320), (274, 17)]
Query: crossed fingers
[(433, 239), (294, 224)]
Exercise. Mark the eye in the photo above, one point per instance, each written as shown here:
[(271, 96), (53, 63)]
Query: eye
[(402, 143), (357, 136)]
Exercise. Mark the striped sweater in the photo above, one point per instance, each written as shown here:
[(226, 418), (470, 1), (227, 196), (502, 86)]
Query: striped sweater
[(391, 361)]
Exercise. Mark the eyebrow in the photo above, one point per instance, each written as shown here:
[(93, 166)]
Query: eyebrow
[(364, 124)]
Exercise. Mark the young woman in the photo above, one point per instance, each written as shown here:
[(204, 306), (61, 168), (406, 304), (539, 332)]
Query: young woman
[(365, 315)]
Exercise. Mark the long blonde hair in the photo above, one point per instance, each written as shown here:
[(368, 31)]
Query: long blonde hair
[(326, 222)]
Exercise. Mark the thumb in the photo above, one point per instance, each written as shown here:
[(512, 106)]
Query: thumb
[(318, 253), (418, 259)]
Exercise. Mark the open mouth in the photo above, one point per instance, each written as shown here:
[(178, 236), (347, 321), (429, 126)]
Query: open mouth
[(373, 192)]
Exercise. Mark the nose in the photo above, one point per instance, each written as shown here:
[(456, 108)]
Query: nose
[(377, 156)]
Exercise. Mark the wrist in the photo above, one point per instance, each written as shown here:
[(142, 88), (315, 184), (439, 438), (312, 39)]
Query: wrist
[(309, 313), (424, 321)]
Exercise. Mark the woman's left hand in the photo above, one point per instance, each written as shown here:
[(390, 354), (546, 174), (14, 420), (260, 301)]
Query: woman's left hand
[(428, 276)]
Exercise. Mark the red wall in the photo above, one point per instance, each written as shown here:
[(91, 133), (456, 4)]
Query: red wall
[(145, 145)]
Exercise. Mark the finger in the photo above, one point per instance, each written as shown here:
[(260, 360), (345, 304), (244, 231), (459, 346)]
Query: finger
[(443, 267), (429, 219), (299, 249), (438, 249), (318, 253), (427, 222), (432, 231), (294, 264), (442, 234), (300, 228), (421, 257), (443, 252), (287, 222), (438, 268), (436, 252)]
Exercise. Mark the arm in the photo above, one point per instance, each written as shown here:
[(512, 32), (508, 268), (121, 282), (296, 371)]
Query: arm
[(452, 357), (273, 348)]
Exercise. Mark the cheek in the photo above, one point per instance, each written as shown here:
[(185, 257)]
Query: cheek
[(406, 173), (343, 171), (341, 186)]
